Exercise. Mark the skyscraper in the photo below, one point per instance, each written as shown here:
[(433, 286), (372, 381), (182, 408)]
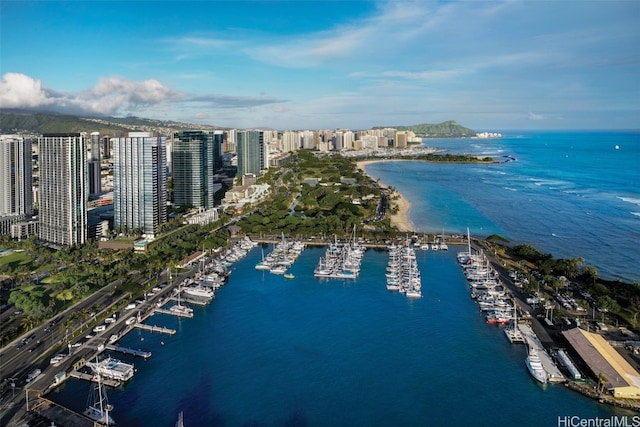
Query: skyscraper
[(140, 182), (95, 186), (196, 157), (15, 181), (15, 176), (63, 189), (251, 151)]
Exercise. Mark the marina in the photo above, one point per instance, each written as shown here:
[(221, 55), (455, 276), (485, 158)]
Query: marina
[(130, 351), (353, 299), (154, 328), (340, 261)]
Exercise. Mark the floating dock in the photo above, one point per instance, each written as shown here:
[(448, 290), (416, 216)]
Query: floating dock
[(124, 350), (174, 313), (201, 302), (154, 328), (93, 378), (555, 376)]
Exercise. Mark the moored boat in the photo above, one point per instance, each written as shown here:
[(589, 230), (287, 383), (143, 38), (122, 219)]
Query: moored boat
[(534, 365)]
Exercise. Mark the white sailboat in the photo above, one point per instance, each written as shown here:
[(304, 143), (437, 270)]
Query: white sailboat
[(98, 407), (178, 308), (443, 245)]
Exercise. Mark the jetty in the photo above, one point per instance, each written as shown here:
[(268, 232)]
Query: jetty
[(125, 350), (154, 328)]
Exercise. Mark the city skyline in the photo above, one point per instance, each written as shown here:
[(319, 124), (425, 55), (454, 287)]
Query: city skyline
[(322, 65)]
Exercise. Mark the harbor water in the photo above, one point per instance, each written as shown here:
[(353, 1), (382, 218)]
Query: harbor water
[(307, 352)]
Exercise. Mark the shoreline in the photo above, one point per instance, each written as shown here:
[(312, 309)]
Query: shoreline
[(400, 219)]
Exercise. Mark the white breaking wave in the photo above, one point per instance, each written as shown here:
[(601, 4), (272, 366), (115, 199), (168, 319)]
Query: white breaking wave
[(635, 213), (630, 200)]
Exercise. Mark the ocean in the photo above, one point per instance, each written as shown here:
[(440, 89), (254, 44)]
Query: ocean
[(570, 194), (306, 352)]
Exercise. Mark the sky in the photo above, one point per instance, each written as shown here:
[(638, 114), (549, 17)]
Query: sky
[(296, 64)]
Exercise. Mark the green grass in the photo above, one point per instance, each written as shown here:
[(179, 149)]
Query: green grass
[(16, 259)]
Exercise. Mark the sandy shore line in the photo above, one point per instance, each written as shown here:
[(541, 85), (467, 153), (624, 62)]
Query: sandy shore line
[(401, 218)]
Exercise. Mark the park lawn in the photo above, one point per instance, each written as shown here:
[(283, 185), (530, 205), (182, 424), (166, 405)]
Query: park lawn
[(16, 259)]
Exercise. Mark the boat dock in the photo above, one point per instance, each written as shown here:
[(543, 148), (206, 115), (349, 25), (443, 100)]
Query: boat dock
[(174, 313), (190, 301), (93, 378), (124, 350), (154, 328), (532, 341)]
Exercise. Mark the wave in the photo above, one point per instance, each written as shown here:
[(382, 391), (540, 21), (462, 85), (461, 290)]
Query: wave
[(635, 213), (510, 188), (630, 200)]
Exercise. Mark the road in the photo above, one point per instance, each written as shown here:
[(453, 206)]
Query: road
[(17, 361)]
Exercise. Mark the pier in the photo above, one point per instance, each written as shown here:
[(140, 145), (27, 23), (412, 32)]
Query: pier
[(154, 328), (124, 350), (190, 301), (174, 313), (93, 378)]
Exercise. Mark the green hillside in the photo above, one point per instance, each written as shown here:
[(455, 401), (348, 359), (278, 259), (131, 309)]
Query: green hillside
[(12, 121), (448, 129)]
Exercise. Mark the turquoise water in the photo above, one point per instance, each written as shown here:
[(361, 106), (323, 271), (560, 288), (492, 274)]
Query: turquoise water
[(571, 194), (304, 352)]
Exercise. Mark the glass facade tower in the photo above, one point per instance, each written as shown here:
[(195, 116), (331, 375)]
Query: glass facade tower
[(140, 182), (63, 189)]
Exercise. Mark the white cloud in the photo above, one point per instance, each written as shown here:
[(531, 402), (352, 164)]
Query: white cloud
[(21, 91), (111, 95)]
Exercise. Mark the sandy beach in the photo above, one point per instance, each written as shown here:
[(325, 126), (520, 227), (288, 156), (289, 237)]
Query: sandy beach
[(401, 218)]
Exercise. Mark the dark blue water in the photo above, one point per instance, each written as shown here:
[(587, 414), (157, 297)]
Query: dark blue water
[(275, 352), (571, 194)]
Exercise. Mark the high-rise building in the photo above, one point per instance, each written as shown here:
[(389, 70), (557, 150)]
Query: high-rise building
[(63, 189), (218, 149), (196, 157), (139, 182), (95, 186), (290, 141), (252, 152), (15, 176), (16, 201)]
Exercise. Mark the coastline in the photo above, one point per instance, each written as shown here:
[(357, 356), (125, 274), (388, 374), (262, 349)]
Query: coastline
[(399, 219)]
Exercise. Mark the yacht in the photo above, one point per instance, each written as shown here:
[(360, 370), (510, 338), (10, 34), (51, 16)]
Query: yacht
[(534, 364), (199, 291)]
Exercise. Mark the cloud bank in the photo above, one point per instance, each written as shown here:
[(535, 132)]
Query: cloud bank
[(114, 96)]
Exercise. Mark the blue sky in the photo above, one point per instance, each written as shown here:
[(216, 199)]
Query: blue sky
[(329, 64)]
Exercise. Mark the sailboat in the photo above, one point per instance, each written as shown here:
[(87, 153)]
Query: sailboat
[(179, 309), (443, 245), (98, 407), (262, 265)]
